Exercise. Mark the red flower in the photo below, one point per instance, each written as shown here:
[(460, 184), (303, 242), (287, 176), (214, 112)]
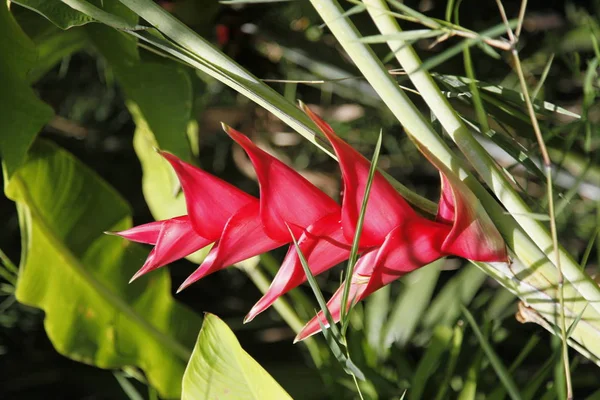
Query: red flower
[(404, 240), (395, 239)]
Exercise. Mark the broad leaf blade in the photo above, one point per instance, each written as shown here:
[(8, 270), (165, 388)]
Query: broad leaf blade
[(79, 276), (221, 369)]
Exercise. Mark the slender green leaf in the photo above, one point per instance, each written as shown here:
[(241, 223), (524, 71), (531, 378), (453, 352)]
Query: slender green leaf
[(404, 35), (220, 368), (79, 276), (440, 343), (345, 311), (332, 333), (496, 362)]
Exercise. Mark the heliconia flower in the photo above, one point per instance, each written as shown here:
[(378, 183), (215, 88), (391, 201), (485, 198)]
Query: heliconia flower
[(395, 240), (462, 228)]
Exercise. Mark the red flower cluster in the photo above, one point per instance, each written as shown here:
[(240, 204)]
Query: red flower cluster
[(395, 239)]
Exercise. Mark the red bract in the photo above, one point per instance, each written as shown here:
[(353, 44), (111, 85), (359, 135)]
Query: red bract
[(461, 228), (395, 240), (172, 239)]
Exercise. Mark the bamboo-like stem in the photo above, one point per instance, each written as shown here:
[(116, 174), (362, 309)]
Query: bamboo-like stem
[(540, 273), (478, 157)]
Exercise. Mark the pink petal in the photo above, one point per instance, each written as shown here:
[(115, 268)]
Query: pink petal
[(386, 209), (210, 201), (176, 239), (146, 233), (286, 197), (323, 245), (243, 237), (412, 245)]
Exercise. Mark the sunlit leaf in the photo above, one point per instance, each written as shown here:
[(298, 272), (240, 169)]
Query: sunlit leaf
[(220, 369), (79, 276)]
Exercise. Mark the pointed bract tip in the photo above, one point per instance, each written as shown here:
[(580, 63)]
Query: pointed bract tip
[(301, 336), (225, 127), (301, 104), (248, 318), (156, 149), (185, 284), (110, 233), (137, 275)]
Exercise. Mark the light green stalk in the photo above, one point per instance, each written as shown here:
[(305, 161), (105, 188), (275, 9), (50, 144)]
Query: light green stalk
[(540, 273), (479, 158)]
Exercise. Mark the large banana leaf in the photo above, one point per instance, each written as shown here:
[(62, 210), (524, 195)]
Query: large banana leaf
[(79, 276), (221, 369)]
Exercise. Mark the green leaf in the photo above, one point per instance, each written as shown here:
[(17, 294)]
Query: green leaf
[(221, 369), (159, 97), (417, 34), (24, 113), (79, 276), (57, 12)]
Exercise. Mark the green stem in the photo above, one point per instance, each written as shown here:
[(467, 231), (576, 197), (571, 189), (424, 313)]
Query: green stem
[(412, 120), (540, 272)]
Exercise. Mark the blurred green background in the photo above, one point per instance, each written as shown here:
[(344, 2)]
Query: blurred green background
[(284, 41)]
